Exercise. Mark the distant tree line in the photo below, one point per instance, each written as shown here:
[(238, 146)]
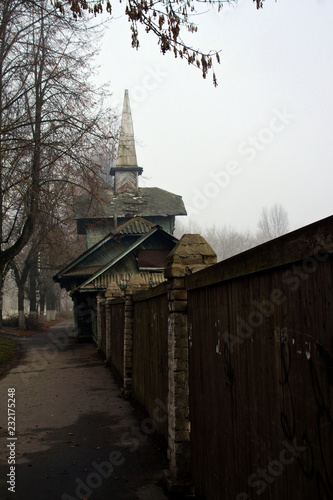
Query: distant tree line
[(227, 241)]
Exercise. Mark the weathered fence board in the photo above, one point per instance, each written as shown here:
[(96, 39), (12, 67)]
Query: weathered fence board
[(117, 323), (261, 381), (150, 355)]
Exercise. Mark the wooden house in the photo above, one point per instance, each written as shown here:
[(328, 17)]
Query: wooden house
[(129, 231)]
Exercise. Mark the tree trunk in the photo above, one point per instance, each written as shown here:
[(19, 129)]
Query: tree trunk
[(2, 280), (51, 304), (20, 282), (33, 276), (42, 304), (3, 274), (20, 304)]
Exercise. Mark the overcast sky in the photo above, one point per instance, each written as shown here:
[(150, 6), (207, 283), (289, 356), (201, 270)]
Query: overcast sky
[(263, 136)]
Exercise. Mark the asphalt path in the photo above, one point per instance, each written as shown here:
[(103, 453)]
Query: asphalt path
[(74, 437)]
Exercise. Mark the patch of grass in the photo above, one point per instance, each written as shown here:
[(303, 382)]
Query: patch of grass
[(7, 352)]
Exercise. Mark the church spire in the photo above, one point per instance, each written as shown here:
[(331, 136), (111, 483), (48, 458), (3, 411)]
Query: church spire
[(126, 149), (126, 170)]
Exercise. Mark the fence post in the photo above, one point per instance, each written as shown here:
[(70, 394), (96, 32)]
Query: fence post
[(112, 292), (192, 253), (135, 284)]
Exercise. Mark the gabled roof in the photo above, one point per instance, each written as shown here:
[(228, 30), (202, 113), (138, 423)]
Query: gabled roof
[(134, 227), (114, 247), (120, 256), (147, 202), (153, 277)]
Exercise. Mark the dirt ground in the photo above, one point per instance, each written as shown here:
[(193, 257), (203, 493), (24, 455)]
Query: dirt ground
[(44, 327), (76, 438)]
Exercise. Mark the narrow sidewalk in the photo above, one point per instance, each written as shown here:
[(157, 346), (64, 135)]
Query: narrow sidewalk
[(76, 437)]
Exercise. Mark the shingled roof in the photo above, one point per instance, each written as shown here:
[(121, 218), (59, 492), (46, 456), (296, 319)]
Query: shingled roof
[(147, 202)]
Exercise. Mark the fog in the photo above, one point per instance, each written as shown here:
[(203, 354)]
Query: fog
[(263, 136)]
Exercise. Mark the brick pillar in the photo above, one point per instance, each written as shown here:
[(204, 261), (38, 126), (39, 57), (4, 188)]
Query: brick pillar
[(135, 284), (112, 292), (192, 253)]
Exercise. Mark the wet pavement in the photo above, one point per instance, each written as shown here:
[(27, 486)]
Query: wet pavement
[(76, 438)]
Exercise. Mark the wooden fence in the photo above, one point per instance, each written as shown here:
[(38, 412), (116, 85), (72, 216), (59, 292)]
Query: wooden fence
[(261, 371), (149, 348), (259, 358)]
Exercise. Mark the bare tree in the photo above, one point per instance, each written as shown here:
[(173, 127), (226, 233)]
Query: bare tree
[(38, 261), (20, 272), (51, 118), (226, 241), (272, 223)]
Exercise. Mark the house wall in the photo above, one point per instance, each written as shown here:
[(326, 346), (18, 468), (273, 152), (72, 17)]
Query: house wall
[(97, 233), (167, 223)]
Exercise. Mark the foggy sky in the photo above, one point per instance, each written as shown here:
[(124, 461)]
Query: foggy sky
[(263, 136)]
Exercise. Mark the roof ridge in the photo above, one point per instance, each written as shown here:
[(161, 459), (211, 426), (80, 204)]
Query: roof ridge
[(134, 219)]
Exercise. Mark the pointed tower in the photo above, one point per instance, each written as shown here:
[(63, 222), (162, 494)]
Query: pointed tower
[(97, 216), (126, 171)]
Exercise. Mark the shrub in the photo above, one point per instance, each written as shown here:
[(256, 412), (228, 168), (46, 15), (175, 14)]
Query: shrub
[(10, 321), (32, 322)]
